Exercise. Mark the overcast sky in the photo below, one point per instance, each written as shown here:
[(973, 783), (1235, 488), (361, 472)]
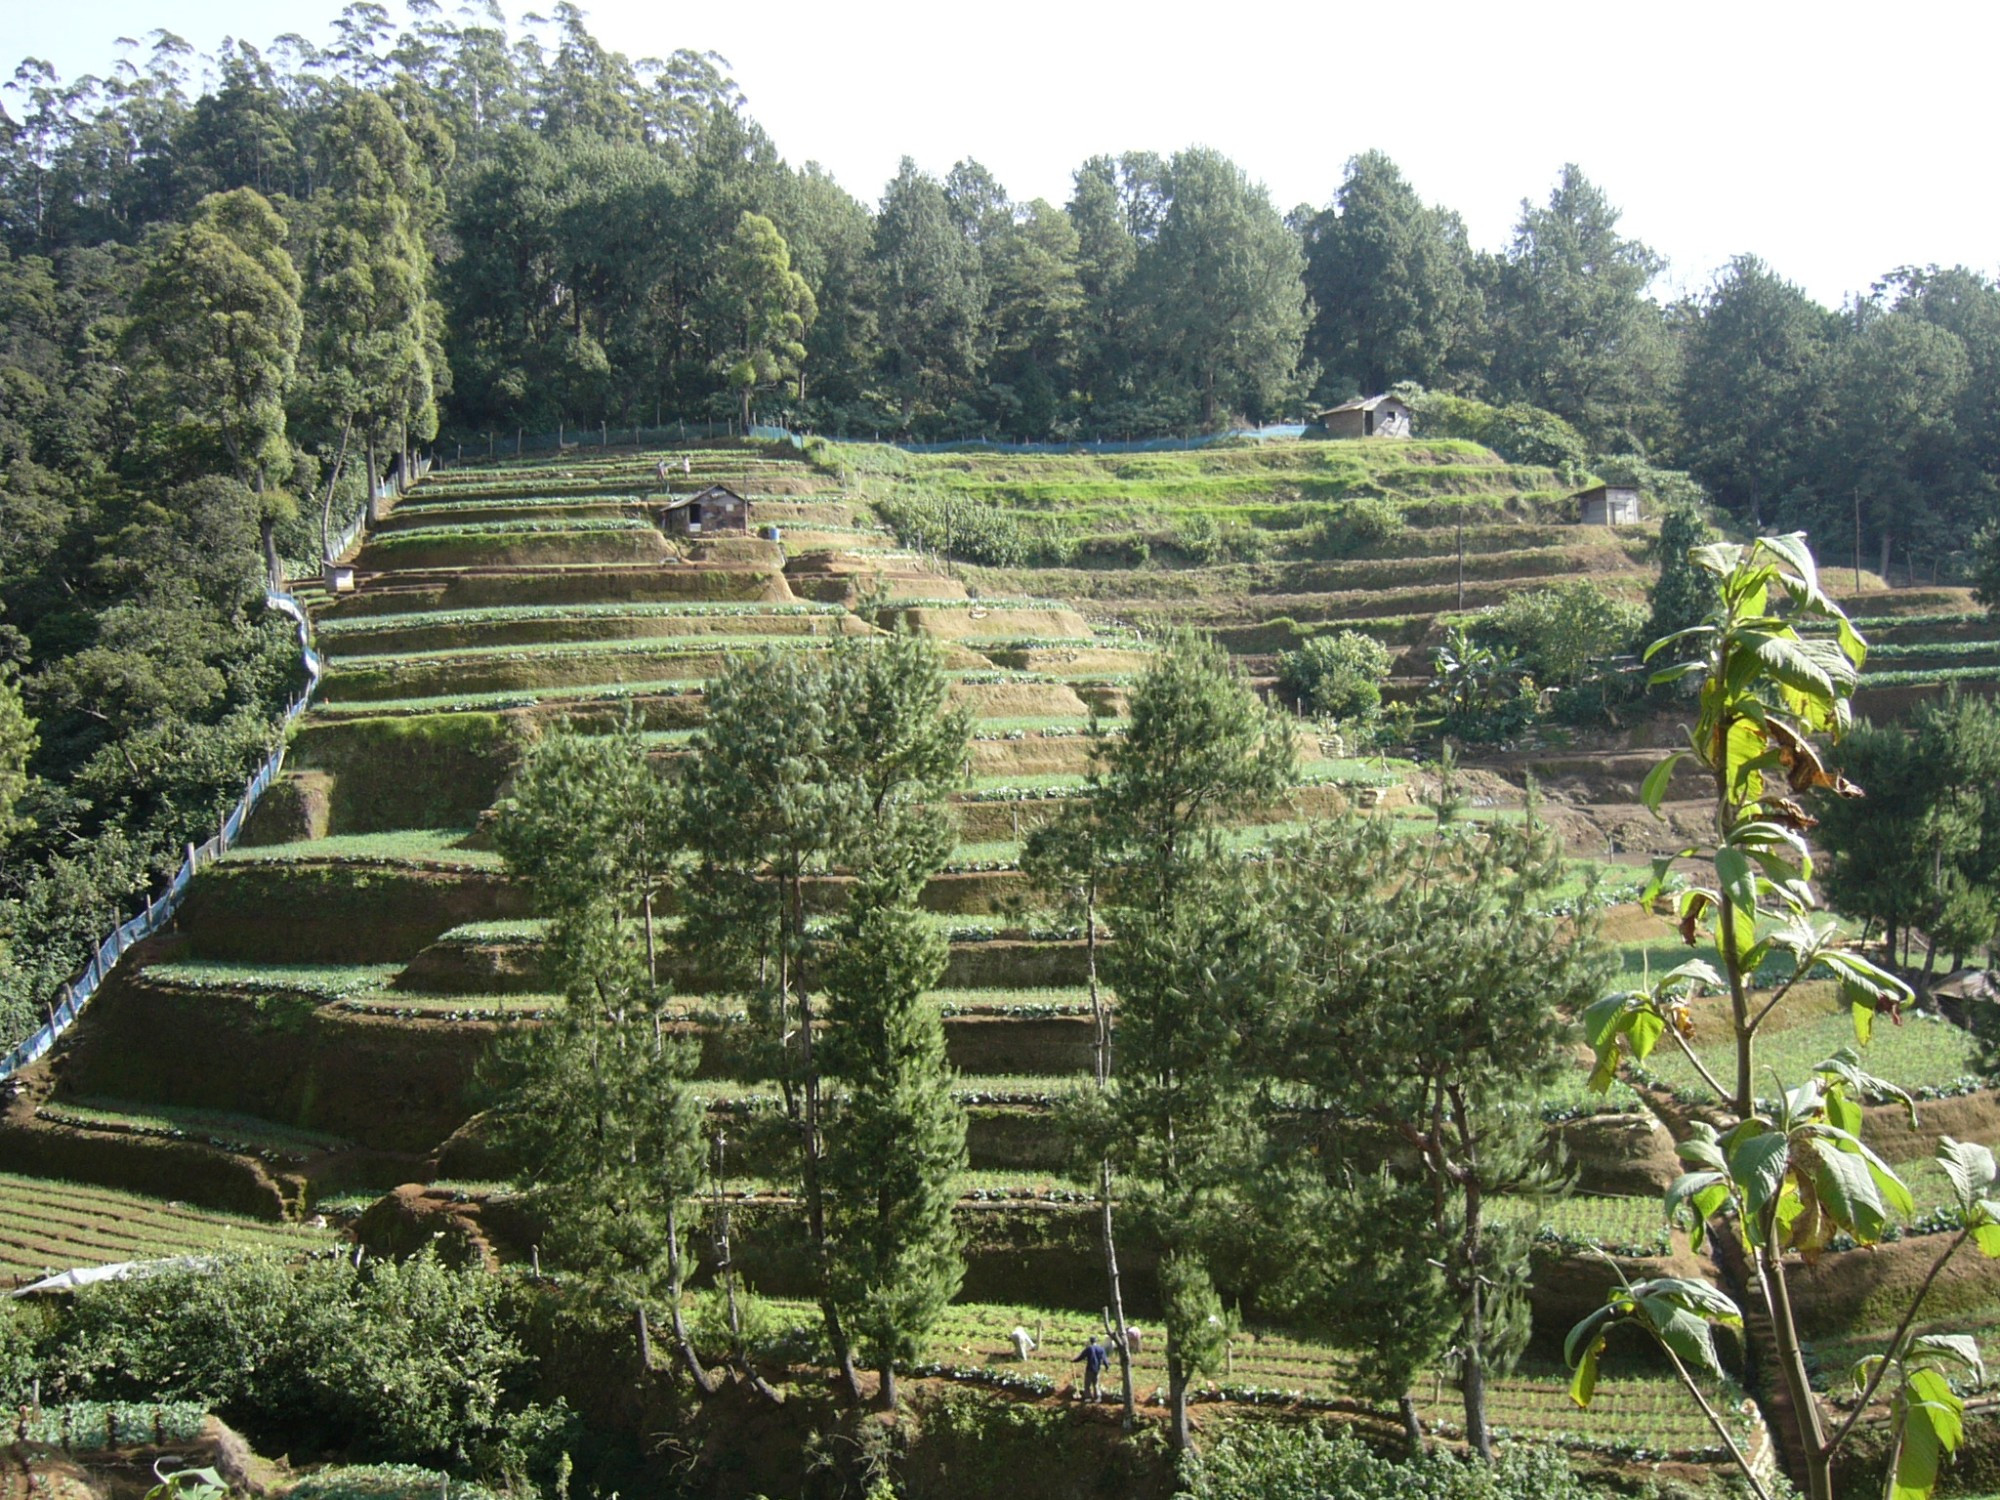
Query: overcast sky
[(1834, 141)]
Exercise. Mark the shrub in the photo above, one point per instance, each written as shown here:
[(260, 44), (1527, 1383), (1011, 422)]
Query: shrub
[(955, 526), (1354, 527), (1339, 676), (406, 1362), (1986, 567), (1565, 631), (1270, 1462), (1519, 433)]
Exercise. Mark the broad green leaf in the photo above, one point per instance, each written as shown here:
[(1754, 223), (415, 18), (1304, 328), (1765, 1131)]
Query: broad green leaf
[(1696, 970), (1591, 1327), (1686, 1333), (1644, 1031), (1758, 1167), (1845, 1067), (1891, 1187), (1653, 791), (1688, 1189), (1665, 641), (1674, 673), (1917, 1458), (1851, 640), (1602, 1017), (1701, 1148), (1793, 664), (1933, 1425), (1583, 1384), (1842, 1112), (1987, 1238), (1792, 549), (1962, 1347), (1848, 1192), (1970, 1166)]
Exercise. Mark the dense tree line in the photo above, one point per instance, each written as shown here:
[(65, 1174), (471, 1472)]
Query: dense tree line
[(619, 241)]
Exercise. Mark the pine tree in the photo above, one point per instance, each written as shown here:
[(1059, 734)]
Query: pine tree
[(897, 1142), (1197, 968)]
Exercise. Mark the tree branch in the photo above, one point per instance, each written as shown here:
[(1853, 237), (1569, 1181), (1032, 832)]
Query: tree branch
[(1707, 1077), (1715, 1420), (1895, 1343)]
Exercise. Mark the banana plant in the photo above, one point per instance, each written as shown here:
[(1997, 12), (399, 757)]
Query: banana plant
[(1787, 1173)]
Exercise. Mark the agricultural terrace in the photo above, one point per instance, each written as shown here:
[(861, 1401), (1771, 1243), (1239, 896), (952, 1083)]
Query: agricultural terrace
[(310, 1037)]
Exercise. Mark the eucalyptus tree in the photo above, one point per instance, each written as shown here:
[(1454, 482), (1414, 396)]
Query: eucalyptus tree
[(1387, 274), (761, 310), (931, 297), (374, 355), (218, 320), (1575, 331), (1782, 1175), (1223, 287)]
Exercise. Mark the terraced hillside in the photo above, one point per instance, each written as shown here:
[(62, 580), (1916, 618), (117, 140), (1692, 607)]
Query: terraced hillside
[(308, 1036), (1250, 543)]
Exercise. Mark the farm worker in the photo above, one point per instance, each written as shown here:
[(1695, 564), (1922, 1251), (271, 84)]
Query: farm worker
[(1093, 1359), (687, 464), (1132, 1339), (660, 469), (1024, 1342)]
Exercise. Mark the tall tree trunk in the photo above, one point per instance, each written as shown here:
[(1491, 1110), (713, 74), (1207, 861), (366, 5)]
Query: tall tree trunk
[(1792, 1370), (888, 1385), (374, 515), (267, 530), (812, 1148), (1177, 1389), (1101, 1015), (1472, 1371), (704, 1382), (1413, 1429), (645, 1338)]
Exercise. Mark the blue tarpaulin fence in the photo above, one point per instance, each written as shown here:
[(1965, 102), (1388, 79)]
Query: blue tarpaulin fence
[(484, 445)]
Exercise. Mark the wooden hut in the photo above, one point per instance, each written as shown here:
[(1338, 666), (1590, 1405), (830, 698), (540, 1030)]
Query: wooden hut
[(715, 511), (1608, 505), (1366, 417)]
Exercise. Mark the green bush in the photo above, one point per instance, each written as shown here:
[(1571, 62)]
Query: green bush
[(1519, 433), (383, 1482), (1339, 676), (1353, 527), (409, 1362), (969, 530), (19, 1329), (1986, 567), (1564, 634), (1270, 1462)]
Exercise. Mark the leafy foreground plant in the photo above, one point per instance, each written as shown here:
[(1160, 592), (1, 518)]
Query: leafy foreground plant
[(1788, 1174)]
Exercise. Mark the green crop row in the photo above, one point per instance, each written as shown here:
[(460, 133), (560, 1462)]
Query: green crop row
[(326, 981)]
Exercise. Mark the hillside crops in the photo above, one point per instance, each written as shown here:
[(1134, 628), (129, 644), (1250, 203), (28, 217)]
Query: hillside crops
[(53, 1226)]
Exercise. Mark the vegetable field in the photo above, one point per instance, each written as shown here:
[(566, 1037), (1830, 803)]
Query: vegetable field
[(53, 1226)]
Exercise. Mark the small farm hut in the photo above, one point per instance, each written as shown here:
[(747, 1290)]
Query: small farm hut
[(1608, 505), (715, 511), (1366, 417)]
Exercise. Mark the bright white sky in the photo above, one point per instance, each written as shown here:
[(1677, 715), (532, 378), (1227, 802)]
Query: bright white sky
[(1835, 141)]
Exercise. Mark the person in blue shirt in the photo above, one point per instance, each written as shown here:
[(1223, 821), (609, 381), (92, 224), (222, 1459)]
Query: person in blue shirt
[(1093, 1359)]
